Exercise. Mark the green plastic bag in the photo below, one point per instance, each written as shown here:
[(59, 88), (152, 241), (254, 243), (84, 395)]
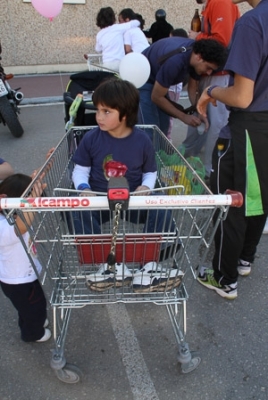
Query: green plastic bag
[(173, 171)]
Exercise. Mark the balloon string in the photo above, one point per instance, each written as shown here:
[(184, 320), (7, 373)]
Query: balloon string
[(59, 68)]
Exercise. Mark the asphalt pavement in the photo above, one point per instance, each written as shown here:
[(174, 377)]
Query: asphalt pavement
[(128, 352)]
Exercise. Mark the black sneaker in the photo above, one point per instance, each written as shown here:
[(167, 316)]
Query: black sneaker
[(227, 291)]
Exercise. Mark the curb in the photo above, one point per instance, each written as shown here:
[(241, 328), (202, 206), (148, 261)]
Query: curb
[(41, 100)]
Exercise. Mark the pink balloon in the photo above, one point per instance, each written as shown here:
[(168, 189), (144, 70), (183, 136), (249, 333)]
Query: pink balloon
[(48, 8)]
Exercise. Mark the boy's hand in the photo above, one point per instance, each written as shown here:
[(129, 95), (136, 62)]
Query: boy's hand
[(50, 151), (87, 193), (142, 189), (38, 186), (2, 196)]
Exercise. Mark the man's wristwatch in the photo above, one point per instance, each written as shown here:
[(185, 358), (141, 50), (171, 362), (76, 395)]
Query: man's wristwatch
[(209, 90)]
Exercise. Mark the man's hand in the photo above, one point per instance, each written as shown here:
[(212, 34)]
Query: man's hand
[(193, 34), (158, 97), (203, 103), (192, 120), (39, 186)]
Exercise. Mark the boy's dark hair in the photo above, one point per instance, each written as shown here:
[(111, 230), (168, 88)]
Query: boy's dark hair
[(127, 13), (105, 17), (15, 185), (211, 51), (179, 32), (120, 95)]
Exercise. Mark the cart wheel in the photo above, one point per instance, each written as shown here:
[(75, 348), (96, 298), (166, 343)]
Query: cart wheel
[(192, 364), (69, 374)]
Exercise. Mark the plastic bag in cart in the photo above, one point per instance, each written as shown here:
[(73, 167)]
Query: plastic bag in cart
[(173, 171)]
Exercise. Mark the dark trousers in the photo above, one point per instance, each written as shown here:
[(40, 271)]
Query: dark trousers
[(237, 236), (30, 302)]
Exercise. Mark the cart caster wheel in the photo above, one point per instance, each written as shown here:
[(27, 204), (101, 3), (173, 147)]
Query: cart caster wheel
[(69, 374), (192, 364)]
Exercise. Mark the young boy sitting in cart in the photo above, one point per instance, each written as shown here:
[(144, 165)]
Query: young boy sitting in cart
[(117, 148)]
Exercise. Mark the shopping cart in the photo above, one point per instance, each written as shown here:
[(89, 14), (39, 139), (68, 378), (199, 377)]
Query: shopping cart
[(94, 63), (143, 267)]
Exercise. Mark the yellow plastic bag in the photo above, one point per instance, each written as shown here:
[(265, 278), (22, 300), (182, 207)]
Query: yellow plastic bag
[(176, 175)]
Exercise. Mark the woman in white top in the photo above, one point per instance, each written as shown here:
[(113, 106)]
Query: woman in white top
[(134, 38), (109, 40)]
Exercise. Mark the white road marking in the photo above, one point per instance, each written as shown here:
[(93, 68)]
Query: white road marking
[(138, 374)]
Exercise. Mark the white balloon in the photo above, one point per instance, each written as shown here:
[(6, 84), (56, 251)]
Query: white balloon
[(135, 68)]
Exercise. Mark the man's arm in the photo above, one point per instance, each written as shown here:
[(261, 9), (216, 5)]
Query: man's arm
[(159, 98), (239, 95), (151, 32), (193, 90)]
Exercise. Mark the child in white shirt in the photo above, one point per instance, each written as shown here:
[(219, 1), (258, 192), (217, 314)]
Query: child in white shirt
[(134, 38), (17, 276), (109, 40)]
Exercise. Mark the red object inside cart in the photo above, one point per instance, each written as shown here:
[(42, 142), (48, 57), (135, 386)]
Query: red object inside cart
[(130, 248)]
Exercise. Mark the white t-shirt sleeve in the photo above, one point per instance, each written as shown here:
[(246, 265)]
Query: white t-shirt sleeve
[(148, 179), (128, 25), (80, 175)]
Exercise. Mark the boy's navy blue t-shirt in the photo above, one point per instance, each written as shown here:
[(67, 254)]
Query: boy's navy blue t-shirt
[(98, 147)]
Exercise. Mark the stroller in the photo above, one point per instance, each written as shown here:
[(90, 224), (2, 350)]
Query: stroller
[(79, 109)]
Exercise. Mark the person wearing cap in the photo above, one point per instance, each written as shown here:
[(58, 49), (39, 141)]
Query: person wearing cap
[(160, 29)]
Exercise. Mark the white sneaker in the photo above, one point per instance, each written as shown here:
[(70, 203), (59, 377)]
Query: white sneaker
[(47, 336), (46, 323), (265, 229), (154, 278), (244, 268), (105, 278)]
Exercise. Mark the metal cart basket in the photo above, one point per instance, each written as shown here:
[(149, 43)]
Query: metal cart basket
[(94, 63), (127, 261)]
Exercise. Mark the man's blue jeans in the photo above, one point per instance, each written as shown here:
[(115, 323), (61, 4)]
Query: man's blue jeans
[(149, 113)]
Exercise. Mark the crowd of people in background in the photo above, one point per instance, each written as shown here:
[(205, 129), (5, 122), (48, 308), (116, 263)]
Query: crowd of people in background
[(203, 62)]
